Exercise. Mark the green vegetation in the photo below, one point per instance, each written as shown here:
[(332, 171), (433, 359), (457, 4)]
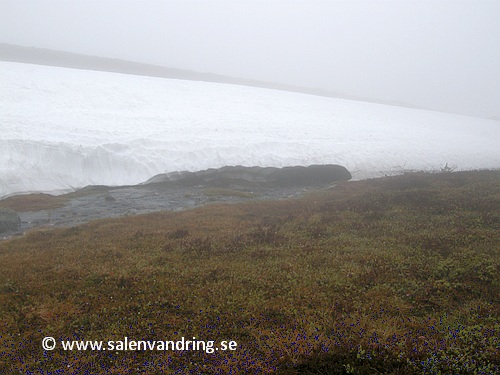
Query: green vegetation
[(394, 275)]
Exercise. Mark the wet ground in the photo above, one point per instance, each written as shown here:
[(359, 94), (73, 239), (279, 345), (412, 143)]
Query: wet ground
[(174, 192), (105, 202)]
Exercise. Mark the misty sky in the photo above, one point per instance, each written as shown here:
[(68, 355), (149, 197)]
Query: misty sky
[(442, 55)]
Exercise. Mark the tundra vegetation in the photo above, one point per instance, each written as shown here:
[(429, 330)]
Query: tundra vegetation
[(392, 275)]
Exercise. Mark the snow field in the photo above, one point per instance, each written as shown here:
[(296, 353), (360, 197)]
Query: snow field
[(62, 129)]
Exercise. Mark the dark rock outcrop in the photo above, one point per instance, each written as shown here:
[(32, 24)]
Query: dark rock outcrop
[(9, 220), (312, 175)]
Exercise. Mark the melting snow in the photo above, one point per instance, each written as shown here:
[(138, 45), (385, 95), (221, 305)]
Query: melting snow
[(62, 129)]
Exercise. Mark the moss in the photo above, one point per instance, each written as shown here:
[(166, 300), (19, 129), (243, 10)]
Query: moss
[(389, 276), (32, 202)]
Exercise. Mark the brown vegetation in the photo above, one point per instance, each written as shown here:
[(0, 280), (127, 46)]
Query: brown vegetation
[(395, 275), (32, 202)]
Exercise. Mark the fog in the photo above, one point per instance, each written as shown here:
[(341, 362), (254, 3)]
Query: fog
[(440, 55)]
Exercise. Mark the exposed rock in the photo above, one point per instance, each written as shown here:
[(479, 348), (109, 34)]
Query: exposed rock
[(288, 176), (109, 199), (9, 220), (178, 191)]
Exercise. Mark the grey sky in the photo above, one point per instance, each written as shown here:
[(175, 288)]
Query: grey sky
[(442, 55)]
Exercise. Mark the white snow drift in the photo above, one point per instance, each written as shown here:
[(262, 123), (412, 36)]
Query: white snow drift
[(62, 129)]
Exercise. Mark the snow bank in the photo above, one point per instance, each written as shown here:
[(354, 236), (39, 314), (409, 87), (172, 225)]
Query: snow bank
[(62, 129)]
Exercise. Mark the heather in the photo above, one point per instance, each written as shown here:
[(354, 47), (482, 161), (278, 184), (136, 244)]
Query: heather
[(391, 275)]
